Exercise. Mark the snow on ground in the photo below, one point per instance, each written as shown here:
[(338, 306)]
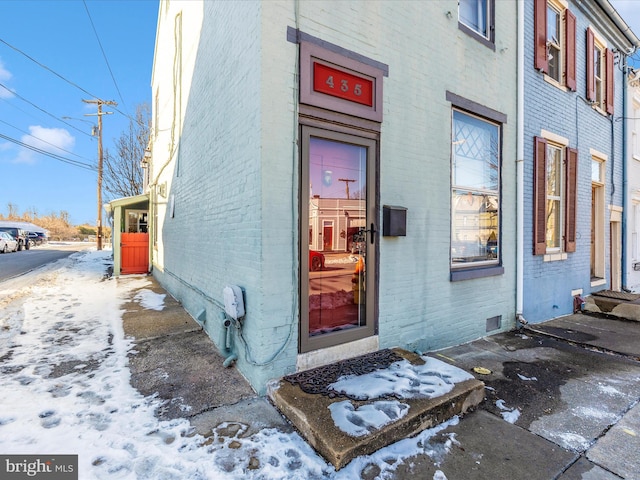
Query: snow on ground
[(64, 383), (510, 415)]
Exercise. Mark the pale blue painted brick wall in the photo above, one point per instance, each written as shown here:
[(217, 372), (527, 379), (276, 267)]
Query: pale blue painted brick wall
[(548, 285), (238, 171), (427, 55)]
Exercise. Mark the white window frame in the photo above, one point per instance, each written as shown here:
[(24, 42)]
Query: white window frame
[(557, 254), (599, 244), (600, 75), (560, 44), (635, 129)]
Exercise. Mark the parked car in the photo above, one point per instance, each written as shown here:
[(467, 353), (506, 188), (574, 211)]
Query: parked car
[(34, 239), (43, 237), (19, 235), (316, 260), (7, 243)]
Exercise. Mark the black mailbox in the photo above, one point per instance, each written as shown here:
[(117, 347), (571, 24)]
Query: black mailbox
[(394, 221)]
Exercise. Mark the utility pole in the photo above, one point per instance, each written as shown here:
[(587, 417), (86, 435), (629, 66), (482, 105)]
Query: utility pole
[(346, 181), (99, 190)]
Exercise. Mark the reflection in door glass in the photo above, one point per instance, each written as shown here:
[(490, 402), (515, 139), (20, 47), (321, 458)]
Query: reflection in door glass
[(337, 237)]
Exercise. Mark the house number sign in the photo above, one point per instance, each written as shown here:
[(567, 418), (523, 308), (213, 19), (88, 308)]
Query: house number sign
[(337, 83)]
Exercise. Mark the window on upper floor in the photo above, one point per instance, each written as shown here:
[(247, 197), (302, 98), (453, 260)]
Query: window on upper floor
[(477, 18), (554, 212), (599, 73), (635, 129), (555, 42)]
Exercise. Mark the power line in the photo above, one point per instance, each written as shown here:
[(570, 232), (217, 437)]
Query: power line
[(60, 158), (104, 55), (45, 67), (64, 78), (43, 141), (42, 110)]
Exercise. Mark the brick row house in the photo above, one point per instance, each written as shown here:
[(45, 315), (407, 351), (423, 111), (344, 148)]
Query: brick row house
[(367, 190)]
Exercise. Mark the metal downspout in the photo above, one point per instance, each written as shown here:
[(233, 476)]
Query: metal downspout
[(520, 170), (625, 180)]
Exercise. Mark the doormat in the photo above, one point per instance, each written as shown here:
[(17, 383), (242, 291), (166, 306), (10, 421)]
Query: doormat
[(617, 295), (317, 380)]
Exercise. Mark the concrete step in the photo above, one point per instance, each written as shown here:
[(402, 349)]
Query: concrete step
[(427, 392)]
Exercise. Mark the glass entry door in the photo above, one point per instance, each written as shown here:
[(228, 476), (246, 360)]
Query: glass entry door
[(338, 254)]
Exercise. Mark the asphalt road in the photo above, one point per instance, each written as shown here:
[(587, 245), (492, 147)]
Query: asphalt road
[(18, 263)]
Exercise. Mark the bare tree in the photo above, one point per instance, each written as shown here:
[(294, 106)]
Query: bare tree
[(123, 176)]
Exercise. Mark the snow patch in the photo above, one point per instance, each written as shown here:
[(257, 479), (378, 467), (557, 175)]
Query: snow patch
[(368, 418), (403, 380), (150, 300), (510, 415)]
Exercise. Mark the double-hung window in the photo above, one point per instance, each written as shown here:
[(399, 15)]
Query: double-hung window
[(600, 79), (475, 194), (555, 42), (554, 197), (477, 18)]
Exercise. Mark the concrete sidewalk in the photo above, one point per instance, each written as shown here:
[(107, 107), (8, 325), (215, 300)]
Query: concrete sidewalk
[(561, 397)]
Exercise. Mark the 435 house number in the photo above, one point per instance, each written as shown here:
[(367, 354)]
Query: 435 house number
[(343, 85)]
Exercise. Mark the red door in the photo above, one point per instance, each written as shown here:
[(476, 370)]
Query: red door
[(135, 253), (328, 238)]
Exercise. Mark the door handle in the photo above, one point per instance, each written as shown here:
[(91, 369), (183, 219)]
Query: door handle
[(372, 232)]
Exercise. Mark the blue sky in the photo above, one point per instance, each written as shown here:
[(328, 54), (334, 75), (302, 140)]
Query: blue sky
[(61, 35), (630, 12)]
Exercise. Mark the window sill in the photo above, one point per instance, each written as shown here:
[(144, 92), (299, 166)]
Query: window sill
[(596, 282), (480, 272), (555, 83), (479, 37), (636, 157), (599, 109), (555, 257)]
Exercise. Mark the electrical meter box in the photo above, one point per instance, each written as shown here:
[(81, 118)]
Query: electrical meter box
[(233, 301)]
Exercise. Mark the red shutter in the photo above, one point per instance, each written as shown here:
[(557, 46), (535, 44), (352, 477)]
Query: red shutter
[(539, 196), (610, 81), (540, 35), (570, 57), (591, 84), (571, 203)]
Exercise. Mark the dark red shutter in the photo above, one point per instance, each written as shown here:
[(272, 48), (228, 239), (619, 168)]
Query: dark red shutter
[(539, 196), (571, 203), (540, 35), (591, 84), (610, 81), (570, 57)]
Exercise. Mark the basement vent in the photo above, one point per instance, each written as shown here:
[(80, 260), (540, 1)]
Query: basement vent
[(494, 323)]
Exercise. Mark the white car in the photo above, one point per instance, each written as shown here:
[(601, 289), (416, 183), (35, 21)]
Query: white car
[(7, 243)]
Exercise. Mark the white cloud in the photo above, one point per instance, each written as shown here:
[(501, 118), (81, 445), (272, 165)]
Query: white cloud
[(52, 140), (4, 76)]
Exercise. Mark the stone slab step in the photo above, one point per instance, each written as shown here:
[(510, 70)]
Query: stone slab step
[(311, 416)]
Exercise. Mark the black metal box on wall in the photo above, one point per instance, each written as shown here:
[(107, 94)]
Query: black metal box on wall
[(394, 221)]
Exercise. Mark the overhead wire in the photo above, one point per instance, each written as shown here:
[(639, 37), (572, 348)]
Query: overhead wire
[(63, 78), (44, 141), (42, 109), (60, 158), (104, 55)]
